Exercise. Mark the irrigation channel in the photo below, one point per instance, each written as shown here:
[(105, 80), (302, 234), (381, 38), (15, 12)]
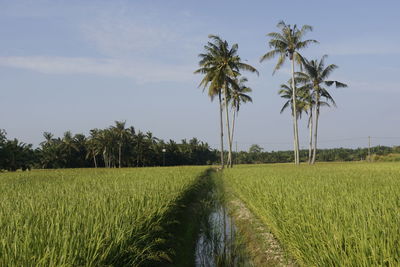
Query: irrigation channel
[(218, 242), (202, 229)]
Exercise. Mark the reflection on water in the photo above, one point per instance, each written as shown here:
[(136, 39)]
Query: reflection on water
[(218, 243)]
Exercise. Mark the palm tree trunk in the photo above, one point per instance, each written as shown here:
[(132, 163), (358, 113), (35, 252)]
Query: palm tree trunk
[(221, 130), (119, 155), (233, 130), (310, 127), (137, 155), (227, 124), (296, 134), (94, 159), (294, 142), (105, 157), (315, 130)]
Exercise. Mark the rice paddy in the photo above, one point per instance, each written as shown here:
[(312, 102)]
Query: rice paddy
[(331, 214), (83, 217), (338, 214)]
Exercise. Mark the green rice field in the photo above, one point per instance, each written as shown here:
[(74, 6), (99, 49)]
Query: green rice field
[(86, 217), (330, 214)]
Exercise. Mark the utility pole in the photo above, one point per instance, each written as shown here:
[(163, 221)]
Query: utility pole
[(369, 148)]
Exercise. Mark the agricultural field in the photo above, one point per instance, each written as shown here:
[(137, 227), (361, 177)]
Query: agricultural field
[(87, 217), (331, 214)]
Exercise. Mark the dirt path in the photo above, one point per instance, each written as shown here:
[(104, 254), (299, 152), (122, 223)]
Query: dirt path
[(263, 247)]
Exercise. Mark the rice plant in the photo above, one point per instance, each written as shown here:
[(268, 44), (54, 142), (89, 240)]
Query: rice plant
[(87, 217), (336, 214)]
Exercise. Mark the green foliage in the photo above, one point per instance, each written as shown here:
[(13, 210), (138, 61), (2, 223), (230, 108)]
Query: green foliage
[(118, 146), (14, 154), (324, 155), (287, 43), (386, 158), (329, 214), (88, 217)]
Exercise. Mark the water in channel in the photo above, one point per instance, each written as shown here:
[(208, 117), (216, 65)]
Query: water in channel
[(219, 242)]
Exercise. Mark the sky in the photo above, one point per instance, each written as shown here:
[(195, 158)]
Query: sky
[(78, 65)]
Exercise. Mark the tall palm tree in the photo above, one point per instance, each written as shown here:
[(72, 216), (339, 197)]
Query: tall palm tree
[(122, 135), (220, 65), (238, 95), (287, 43), (316, 76), (93, 146), (214, 89), (139, 140), (48, 138), (68, 147)]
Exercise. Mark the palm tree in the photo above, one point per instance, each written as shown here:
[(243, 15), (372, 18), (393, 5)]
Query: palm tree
[(48, 138), (238, 95), (93, 146), (286, 92), (139, 140), (221, 65), (68, 147), (315, 75), (287, 43), (122, 135)]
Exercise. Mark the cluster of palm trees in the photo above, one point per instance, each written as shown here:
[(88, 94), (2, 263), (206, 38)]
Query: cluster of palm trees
[(14, 155), (222, 66), (112, 143), (306, 91), (119, 146)]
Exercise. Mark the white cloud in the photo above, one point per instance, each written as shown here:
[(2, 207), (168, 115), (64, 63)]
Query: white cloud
[(123, 36), (139, 71), (141, 37)]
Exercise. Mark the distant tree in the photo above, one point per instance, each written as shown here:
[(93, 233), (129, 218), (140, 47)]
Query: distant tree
[(15, 155), (122, 135), (68, 147), (255, 149)]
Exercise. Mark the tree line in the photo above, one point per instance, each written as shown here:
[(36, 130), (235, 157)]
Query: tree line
[(256, 155), (305, 92), (117, 146), (113, 147)]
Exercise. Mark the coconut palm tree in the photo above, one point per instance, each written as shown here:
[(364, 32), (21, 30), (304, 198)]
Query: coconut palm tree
[(68, 146), (93, 146), (286, 92), (220, 65), (316, 76), (139, 140), (238, 95), (122, 135), (288, 43)]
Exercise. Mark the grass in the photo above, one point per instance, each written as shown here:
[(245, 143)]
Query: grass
[(88, 217), (336, 214)]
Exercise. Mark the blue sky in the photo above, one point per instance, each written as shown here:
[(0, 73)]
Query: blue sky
[(78, 65)]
